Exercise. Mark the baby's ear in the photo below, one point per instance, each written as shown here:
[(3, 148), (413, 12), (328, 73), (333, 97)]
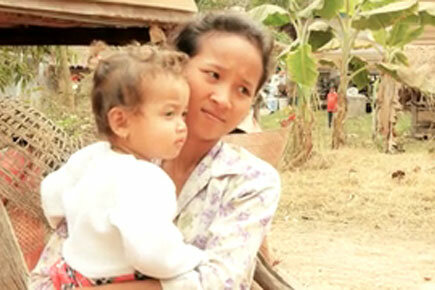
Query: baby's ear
[(118, 122)]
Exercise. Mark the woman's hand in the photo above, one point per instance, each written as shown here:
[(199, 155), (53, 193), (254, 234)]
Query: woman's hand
[(135, 285)]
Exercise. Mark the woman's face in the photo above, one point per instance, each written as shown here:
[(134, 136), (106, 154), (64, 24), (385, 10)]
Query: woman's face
[(223, 77)]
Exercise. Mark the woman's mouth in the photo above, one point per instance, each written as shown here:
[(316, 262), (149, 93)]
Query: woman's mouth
[(212, 116)]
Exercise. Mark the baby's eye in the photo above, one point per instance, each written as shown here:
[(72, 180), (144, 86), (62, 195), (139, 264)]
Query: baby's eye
[(169, 113)]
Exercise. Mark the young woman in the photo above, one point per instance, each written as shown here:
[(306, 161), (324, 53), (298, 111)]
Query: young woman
[(226, 196)]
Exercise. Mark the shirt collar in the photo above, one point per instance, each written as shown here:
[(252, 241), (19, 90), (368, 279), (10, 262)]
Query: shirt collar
[(223, 159)]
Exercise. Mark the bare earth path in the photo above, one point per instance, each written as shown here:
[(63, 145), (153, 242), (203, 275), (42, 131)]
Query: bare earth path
[(322, 256), (344, 222)]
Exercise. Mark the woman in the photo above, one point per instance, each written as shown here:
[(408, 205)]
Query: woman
[(226, 196)]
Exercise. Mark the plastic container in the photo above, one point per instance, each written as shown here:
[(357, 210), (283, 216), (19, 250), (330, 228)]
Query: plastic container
[(282, 103), (272, 104)]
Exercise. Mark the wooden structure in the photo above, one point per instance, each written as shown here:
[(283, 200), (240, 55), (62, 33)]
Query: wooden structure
[(423, 122), (422, 112), (78, 22), (421, 106)]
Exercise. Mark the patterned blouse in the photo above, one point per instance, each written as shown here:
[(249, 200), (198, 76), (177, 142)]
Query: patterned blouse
[(225, 208)]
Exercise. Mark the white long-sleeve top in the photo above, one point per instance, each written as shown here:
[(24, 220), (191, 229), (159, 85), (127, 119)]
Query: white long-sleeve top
[(119, 212)]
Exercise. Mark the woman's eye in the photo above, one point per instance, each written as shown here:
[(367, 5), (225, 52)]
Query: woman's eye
[(184, 114), (244, 91), (169, 114)]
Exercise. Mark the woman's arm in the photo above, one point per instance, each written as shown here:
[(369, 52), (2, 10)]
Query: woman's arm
[(233, 239)]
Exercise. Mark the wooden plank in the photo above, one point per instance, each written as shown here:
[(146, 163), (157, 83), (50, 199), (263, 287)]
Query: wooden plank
[(185, 5), (268, 278), (426, 116), (13, 273), (96, 13)]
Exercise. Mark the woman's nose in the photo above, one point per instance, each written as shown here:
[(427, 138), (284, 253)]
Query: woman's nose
[(222, 97)]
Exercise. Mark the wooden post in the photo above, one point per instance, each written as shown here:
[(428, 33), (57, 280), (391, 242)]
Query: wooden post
[(267, 278), (14, 274)]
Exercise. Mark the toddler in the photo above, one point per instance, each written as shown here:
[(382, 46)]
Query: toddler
[(119, 206)]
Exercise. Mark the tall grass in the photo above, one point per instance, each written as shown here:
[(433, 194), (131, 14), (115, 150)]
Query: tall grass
[(358, 131)]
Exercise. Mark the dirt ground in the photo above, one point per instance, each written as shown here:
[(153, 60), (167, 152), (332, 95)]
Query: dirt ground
[(344, 221)]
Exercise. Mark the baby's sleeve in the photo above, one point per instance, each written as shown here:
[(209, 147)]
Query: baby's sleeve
[(51, 195), (56, 183)]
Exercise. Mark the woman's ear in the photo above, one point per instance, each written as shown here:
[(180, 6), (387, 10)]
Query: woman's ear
[(118, 122)]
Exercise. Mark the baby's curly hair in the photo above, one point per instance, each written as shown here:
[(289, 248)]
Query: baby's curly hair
[(121, 79)]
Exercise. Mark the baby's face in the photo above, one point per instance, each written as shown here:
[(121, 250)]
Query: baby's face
[(158, 130)]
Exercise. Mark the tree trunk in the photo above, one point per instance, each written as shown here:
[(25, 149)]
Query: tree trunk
[(338, 135), (65, 83), (298, 149), (388, 106), (14, 274)]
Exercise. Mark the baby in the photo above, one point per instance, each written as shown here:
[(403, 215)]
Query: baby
[(119, 206)]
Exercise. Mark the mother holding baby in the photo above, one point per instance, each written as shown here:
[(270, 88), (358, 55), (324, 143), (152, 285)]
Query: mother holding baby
[(226, 197)]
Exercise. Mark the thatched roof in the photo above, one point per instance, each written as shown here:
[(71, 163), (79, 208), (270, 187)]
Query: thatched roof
[(94, 13)]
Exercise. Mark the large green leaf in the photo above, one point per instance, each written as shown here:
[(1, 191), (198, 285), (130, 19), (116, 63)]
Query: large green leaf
[(320, 34), (427, 12), (336, 44), (352, 6), (386, 15), (399, 57), (330, 9), (380, 36), (415, 78), (270, 15), (254, 3), (402, 34), (308, 11), (361, 79), (326, 62), (302, 66), (319, 39), (374, 4)]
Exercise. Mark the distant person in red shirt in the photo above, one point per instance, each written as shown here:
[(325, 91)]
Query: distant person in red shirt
[(331, 100)]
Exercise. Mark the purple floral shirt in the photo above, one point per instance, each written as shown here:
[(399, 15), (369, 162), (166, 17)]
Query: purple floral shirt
[(225, 208)]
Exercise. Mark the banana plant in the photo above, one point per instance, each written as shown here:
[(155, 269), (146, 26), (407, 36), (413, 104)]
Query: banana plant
[(19, 64), (399, 22), (395, 70), (393, 24), (301, 64), (356, 16)]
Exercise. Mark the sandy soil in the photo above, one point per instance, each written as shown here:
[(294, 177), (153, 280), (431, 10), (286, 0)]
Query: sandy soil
[(326, 256), (326, 239)]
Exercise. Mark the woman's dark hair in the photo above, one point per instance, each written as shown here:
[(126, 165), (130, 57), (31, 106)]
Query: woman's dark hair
[(229, 22), (120, 80)]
